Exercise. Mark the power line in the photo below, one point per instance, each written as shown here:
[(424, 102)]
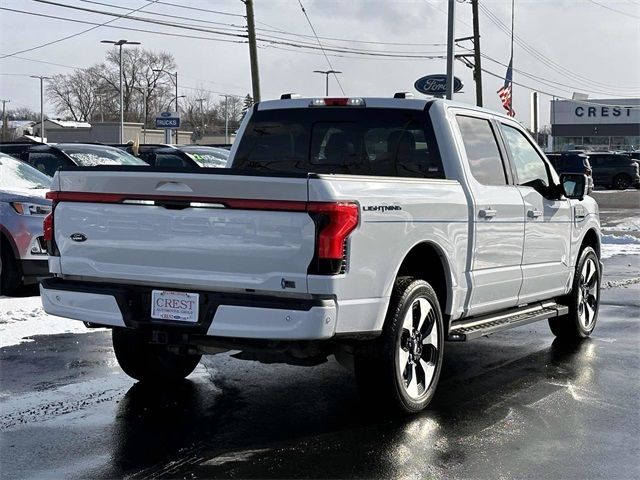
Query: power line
[(320, 44), (76, 34), (155, 32), (141, 19), (614, 10), (543, 58), (267, 38), (220, 25), (346, 40), (217, 12), (555, 95), (543, 80)]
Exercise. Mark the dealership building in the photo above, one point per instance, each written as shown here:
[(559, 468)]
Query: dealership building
[(599, 124)]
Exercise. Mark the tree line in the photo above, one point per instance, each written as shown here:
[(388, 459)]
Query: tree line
[(92, 94)]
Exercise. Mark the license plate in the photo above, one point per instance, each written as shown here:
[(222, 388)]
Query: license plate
[(176, 306)]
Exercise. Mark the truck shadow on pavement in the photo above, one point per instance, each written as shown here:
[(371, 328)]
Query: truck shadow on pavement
[(234, 428)]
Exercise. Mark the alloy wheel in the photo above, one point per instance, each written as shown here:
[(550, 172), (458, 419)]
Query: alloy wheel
[(418, 348), (588, 293)]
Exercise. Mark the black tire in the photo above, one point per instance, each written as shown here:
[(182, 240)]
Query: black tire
[(583, 301), (145, 362), (10, 274), (622, 181), (379, 374)]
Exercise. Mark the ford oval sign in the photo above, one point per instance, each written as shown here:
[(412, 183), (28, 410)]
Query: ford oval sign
[(436, 84)]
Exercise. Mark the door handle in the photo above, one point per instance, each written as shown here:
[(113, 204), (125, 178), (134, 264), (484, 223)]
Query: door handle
[(487, 213), (535, 213)]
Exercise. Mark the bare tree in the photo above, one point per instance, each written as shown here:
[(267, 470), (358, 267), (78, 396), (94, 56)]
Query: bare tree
[(75, 95), (93, 93), (23, 113), (200, 112)]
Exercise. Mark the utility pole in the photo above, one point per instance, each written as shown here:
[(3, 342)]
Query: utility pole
[(477, 67), (42, 79), (326, 73), (450, 45), (120, 43), (226, 119), (200, 100), (253, 51), (4, 119)]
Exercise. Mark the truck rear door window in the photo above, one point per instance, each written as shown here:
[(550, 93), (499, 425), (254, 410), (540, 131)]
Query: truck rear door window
[(357, 141), (482, 150)]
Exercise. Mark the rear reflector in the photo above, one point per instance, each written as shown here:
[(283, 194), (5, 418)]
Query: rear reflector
[(337, 102), (87, 197)]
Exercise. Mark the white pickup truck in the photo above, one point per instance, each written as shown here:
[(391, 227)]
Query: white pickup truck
[(366, 228)]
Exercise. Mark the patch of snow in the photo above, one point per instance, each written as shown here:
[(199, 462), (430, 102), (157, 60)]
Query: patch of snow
[(620, 245), (21, 318), (626, 225)]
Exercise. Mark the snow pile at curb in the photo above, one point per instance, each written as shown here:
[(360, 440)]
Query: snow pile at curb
[(620, 245), (21, 318)]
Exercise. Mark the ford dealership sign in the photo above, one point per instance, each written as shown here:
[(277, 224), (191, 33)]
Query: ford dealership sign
[(168, 120), (436, 84)]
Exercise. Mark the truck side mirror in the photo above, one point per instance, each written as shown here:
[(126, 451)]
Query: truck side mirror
[(574, 185)]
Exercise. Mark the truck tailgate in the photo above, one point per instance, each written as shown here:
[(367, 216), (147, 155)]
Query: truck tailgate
[(185, 230)]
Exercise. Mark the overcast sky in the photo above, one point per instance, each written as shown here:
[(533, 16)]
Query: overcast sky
[(589, 46)]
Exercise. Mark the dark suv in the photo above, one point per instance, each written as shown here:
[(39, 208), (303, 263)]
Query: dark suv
[(159, 155), (613, 170), (48, 158), (572, 163)]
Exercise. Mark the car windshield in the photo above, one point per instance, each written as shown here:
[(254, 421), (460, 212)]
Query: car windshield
[(90, 155), (17, 174), (208, 157)]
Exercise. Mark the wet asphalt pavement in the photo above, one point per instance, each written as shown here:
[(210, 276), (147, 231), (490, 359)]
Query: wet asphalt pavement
[(516, 404)]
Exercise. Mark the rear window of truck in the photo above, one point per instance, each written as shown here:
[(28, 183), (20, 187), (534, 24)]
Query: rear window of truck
[(357, 141)]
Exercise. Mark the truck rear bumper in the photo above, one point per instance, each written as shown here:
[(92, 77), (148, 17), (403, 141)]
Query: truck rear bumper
[(220, 315)]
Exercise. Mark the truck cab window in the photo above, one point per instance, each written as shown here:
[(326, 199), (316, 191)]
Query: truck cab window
[(482, 150)]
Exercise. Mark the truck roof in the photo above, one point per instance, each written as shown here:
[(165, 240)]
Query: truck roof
[(377, 102)]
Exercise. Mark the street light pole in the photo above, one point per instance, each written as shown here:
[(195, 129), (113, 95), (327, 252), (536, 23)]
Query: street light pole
[(326, 73), (174, 78), (120, 43), (42, 79)]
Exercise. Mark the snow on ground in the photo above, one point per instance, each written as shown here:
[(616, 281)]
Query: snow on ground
[(625, 225), (23, 317), (619, 245)]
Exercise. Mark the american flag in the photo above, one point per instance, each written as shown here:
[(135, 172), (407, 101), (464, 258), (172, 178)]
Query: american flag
[(505, 92)]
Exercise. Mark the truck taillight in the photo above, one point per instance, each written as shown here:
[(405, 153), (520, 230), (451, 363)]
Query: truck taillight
[(334, 222), (47, 227)]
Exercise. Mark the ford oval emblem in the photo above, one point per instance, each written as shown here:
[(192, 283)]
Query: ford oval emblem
[(436, 84), (165, 114), (78, 237)]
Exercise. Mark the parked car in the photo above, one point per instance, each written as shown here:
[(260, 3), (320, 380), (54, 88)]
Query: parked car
[(634, 155), (613, 170), (23, 207), (572, 163), (49, 157), (159, 155), (366, 228), (208, 157)]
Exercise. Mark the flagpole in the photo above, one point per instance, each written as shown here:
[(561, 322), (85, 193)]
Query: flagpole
[(512, 18)]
